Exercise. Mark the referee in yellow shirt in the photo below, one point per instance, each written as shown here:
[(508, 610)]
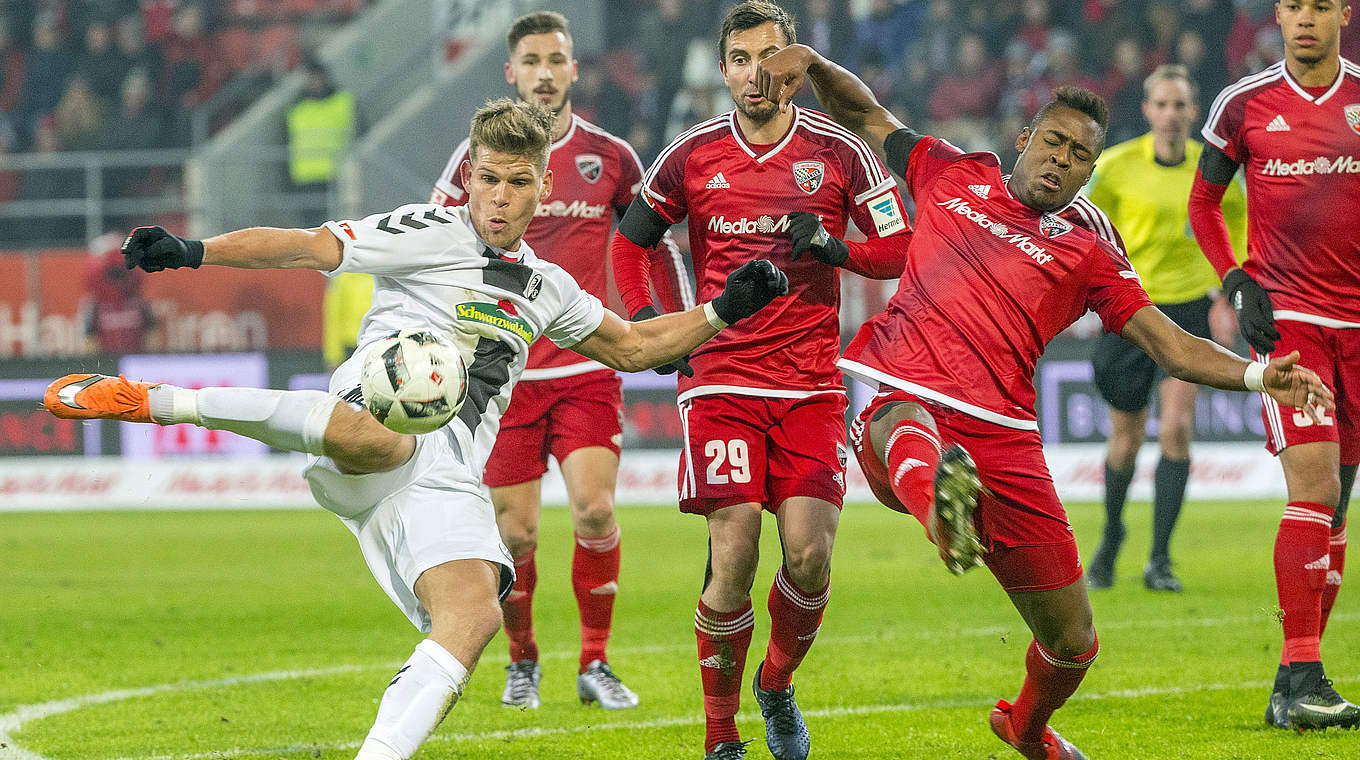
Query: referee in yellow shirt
[(1143, 185)]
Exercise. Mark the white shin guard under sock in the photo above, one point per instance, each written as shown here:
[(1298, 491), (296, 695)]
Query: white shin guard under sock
[(292, 420), (424, 691)]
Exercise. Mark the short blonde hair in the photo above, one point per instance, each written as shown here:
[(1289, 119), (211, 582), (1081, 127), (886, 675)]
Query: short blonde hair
[(515, 127), (1170, 72)]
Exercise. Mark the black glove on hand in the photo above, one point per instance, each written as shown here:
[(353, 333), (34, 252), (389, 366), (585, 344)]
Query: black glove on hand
[(1255, 315), (681, 365), (154, 249), (749, 289), (808, 234)]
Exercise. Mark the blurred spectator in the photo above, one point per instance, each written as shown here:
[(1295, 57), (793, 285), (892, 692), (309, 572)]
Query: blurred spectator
[(12, 62), (1204, 28), (79, 115), (970, 89), (117, 317), (158, 20), (137, 124), (1124, 91), (1164, 26), (193, 69), (1269, 49), (321, 126), (822, 27), (704, 94), (132, 47), (100, 64), (664, 32), (1253, 17), (886, 32), (44, 79)]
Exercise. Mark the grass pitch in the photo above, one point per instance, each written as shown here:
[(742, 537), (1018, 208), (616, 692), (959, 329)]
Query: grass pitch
[(261, 634)]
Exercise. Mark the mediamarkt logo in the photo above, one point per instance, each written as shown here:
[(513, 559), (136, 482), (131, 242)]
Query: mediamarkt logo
[(1320, 165), (1022, 241), (763, 224), (579, 209)]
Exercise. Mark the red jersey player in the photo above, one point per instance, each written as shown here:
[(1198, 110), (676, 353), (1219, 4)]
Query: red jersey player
[(764, 413), (566, 406), (997, 266), (1295, 128)]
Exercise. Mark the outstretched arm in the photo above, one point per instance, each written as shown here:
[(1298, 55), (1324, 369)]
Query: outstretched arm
[(1196, 360), (844, 96), (154, 249), (635, 346)]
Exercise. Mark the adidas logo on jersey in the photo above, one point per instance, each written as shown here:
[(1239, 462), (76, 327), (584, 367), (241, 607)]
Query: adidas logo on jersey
[(1320, 165), (981, 191), (719, 182), (1277, 124)]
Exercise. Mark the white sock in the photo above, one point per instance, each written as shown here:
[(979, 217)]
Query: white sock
[(423, 692), (292, 420)]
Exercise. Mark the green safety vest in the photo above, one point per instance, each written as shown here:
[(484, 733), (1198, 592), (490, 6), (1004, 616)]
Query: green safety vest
[(318, 132)]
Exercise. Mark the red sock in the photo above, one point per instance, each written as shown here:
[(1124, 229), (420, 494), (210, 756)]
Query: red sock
[(518, 609), (1334, 572), (795, 618), (912, 453), (723, 640), (1049, 681), (1302, 557), (595, 578)]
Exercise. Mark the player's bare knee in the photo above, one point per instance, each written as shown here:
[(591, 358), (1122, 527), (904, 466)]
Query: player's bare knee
[(1074, 640), (594, 517), (360, 444), (809, 567), (519, 538)]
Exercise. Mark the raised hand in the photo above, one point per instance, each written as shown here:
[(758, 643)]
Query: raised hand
[(153, 249), (780, 76)]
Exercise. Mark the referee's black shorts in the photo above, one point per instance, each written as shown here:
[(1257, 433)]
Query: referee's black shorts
[(1125, 375)]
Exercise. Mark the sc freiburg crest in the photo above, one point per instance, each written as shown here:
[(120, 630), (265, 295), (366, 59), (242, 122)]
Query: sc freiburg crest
[(1352, 112), (808, 175), (590, 166), (1051, 226)]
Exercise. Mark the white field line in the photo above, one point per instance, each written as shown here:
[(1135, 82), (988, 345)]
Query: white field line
[(13, 721)]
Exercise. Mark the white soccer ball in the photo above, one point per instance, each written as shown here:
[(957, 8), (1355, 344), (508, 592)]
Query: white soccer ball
[(413, 381)]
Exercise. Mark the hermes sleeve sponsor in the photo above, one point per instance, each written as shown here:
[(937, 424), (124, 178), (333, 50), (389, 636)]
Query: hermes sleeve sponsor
[(886, 214)]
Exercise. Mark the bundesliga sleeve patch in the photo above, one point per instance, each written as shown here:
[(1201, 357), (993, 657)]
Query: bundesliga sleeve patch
[(886, 214)]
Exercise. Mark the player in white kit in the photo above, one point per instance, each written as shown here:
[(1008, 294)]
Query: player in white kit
[(415, 501)]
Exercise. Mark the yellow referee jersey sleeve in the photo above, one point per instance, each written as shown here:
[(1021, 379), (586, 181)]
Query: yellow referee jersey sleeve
[(1147, 203), (348, 297)]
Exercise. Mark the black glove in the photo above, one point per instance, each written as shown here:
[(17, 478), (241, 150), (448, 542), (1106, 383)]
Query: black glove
[(749, 289), (154, 249), (808, 234), (681, 364), (1255, 315)]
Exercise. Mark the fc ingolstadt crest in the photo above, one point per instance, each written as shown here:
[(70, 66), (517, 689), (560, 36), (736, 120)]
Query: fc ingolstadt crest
[(1352, 112), (590, 166), (1051, 226), (808, 175)]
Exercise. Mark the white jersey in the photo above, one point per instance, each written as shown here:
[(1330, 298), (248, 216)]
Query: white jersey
[(431, 271)]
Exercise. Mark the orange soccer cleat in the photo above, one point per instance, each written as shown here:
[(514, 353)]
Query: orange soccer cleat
[(1050, 747), (87, 396)]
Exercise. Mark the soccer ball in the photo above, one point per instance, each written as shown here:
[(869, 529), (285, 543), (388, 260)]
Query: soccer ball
[(413, 381)]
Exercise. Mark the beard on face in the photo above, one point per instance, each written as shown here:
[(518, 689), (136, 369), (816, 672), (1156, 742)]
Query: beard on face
[(760, 113)]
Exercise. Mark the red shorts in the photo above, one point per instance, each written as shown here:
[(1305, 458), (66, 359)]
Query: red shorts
[(1334, 354), (1019, 518), (555, 417), (743, 449)]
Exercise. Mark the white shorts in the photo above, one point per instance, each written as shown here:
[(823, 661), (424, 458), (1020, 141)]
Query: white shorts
[(427, 512)]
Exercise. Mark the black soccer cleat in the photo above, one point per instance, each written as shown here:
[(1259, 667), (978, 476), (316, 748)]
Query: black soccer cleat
[(1277, 715), (728, 751), (786, 734), (1321, 708), (1157, 576), (957, 488)]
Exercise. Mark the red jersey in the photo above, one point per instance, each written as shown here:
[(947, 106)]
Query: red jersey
[(1301, 153), (989, 281), (738, 197), (595, 177)]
